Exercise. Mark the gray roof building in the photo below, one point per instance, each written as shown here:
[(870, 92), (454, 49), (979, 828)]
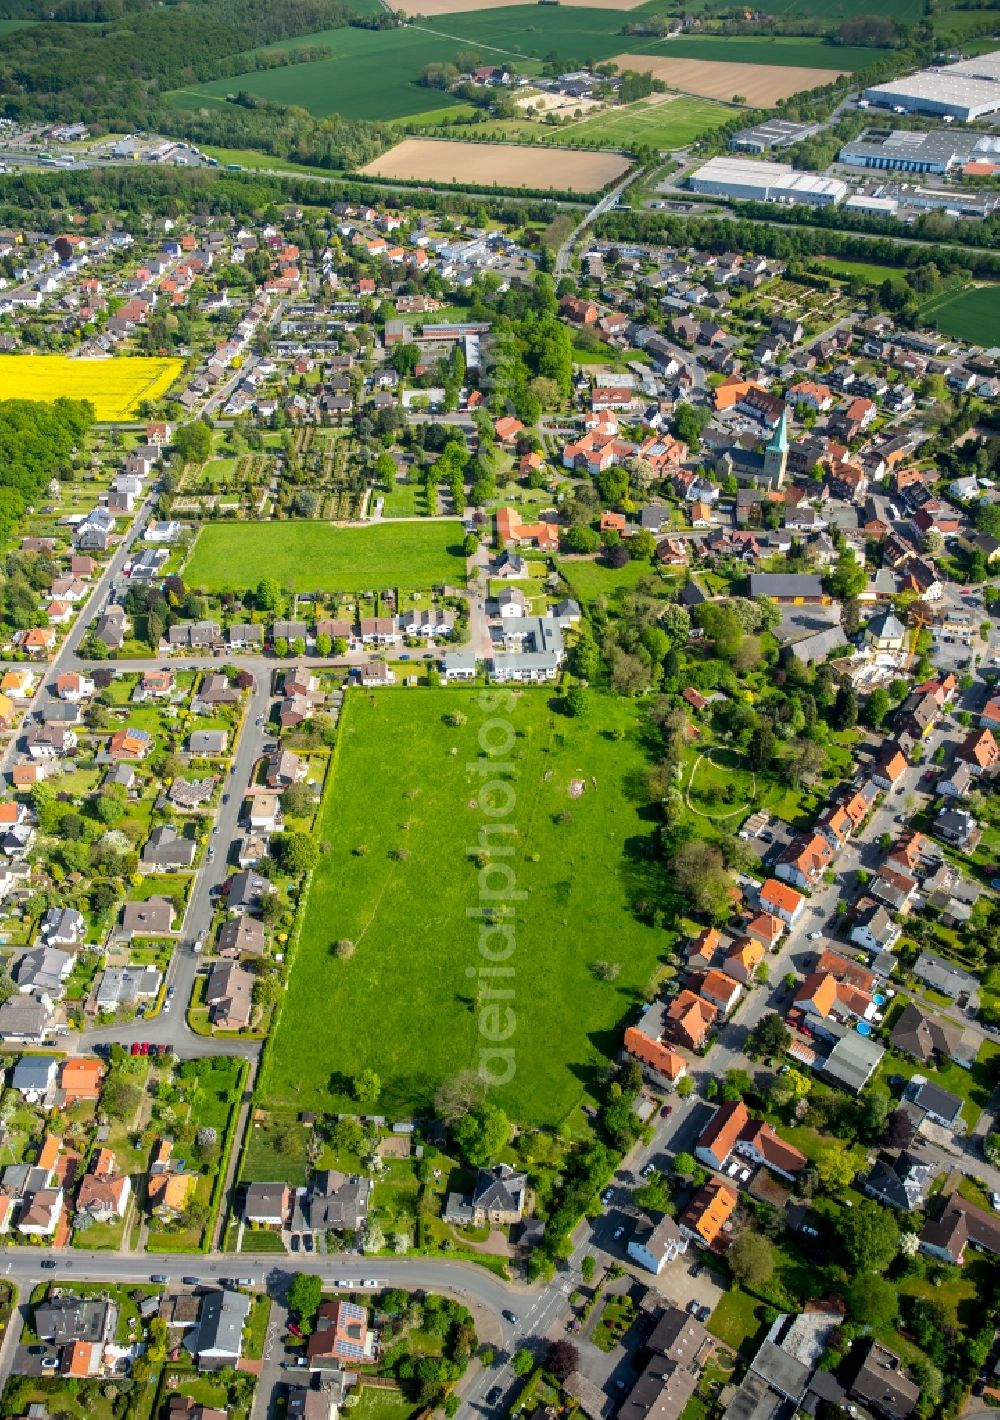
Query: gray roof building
[(217, 1340)]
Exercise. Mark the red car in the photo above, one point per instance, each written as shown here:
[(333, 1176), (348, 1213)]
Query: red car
[(134, 1048), (294, 1330), (144, 1048)]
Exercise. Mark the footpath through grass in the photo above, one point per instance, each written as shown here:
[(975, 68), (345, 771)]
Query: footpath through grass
[(401, 824), (317, 557)]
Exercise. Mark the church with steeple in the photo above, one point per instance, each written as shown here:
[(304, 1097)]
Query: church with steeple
[(776, 453), (759, 470)]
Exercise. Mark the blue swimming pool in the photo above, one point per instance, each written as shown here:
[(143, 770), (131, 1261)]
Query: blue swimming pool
[(878, 999), (864, 1028)]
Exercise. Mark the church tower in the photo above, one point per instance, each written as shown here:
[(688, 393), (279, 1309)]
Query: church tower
[(776, 453)]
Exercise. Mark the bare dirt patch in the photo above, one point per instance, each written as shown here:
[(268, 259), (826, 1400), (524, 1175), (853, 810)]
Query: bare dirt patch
[(761, 85), (465, 7), (505, 164)]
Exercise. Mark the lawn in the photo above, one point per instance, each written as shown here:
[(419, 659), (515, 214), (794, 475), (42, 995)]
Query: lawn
[(872, 271), (114, 387), (383, 1405), (399, 881), (667, 121), (972, 314), (738, 1320), (316, 557), (588, 578)]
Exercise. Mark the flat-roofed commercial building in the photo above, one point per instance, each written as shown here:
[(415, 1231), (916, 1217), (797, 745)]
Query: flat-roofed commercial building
[(750, 181), (965, 91)]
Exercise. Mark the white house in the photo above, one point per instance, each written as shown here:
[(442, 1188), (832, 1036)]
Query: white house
[(653, 1245)]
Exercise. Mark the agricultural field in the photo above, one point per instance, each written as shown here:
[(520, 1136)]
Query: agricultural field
[(372, 74), (783, 51), (759, 85), (503, 164), (431, 8), (314, 556), (663, 121), (399, 881), (972, 314), (115, 387), (832, 11)]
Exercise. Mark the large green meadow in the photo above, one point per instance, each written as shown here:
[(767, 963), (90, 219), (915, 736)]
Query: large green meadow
[(401, 827), (317, 557), (972, 314)]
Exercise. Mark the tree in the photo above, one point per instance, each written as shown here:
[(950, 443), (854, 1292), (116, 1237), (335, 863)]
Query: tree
[(523, 1362), (869, 1236), (751, 1260), (849, 577), (575, 702), (835, 1167), (878, 707), (268, 594), (991, 1147), (872, 1302), (770, 1036), (762, 747), (193, 442), (582, 539), (562, 1359), (700, 874), (588, 1267), (458, 1096), (845, 708), (295, 853), (305, 1292), (367, 1087), (685, 1164), (481, 1134), (470, 543)]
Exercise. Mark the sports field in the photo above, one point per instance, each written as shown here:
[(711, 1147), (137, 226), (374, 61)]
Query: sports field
[(318, 557), (972, 314), (759, 85), (115, 387), (403, 816), (502, 164), (663, 121)]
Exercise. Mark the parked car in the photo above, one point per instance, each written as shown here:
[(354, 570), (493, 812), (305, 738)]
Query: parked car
[(295, 1330), (511, 1317), (666, 1111)]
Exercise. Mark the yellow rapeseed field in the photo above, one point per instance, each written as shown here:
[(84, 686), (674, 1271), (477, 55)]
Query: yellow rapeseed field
[(115, 387)]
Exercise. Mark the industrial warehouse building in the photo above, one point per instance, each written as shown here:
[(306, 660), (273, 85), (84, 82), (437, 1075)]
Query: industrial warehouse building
[(766, 182), (907, 151), (772, 133), (965, 91)]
